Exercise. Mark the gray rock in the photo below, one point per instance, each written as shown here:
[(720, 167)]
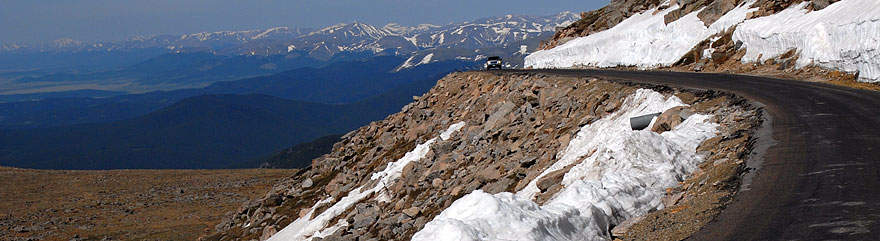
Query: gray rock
[(307, 183), (361, 221), (498, 115), (699, 66), (273, 200), (21, 229), (820, 4)]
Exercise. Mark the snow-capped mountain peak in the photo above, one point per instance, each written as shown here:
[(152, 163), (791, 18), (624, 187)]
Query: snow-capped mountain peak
[(66, 43), (457, 40)]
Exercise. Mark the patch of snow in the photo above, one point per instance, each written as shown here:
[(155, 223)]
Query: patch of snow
[(618, 173), (452, 129), (845, 35), (306, 228), (643, 40), (426, 59), (412, 40), (707, 53), (407, 64), (267, 32)]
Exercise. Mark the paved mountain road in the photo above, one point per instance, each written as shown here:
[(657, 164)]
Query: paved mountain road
[(820, 181)]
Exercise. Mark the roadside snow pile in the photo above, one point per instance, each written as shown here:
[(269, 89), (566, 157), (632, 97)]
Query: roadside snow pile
[(643, 40), (845, 35), (306, 228), (617, 174)]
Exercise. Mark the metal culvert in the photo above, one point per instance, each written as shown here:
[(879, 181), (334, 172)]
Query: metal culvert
[(642, 122)]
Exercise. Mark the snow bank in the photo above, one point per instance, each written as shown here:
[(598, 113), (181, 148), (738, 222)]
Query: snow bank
[(845, 35), (306, 228), (643, 40), (618, 173)]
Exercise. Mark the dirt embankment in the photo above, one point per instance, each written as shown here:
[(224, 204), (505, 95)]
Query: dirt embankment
[(515, 126), (124, 204)]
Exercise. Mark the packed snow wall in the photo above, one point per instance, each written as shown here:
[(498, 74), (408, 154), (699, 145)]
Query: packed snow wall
[(842, 36)]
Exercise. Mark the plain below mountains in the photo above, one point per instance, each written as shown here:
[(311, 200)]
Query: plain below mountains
[(339, 83), (208, 130)]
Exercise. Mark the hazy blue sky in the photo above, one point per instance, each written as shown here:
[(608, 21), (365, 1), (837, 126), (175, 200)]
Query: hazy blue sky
[(28, 21)]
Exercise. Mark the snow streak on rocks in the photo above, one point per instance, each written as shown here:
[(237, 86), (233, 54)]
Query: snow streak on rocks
[(617, 174), (307, 227)]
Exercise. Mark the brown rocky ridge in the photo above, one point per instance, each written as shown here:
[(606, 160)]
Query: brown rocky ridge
[(515, 126)]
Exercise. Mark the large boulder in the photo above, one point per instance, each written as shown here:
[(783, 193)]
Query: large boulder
[(669, 119)]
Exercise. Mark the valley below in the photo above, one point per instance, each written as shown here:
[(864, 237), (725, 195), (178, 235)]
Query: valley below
[(124, 204)]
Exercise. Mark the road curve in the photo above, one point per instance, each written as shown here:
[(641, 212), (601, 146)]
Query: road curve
[(820, 181)]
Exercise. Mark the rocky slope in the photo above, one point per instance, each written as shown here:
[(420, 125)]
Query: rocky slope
[(389, 179), (787, 38)]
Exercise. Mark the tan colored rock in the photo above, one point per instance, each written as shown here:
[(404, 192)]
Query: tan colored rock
[(268, 232), (551, 179), (407, 170), (668, 120), (455, 191), (488, 174), (624, 226), (412, 212), (671, 200), (303, 212)]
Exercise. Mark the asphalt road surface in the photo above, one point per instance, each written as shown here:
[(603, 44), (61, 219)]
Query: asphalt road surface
[(820, 181)]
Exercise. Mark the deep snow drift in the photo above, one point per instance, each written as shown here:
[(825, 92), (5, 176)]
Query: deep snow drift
[(306, 228), (643, 40), (845, 35), (618, 173)]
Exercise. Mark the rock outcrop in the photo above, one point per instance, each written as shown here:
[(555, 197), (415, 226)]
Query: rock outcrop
[(513, 126)]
